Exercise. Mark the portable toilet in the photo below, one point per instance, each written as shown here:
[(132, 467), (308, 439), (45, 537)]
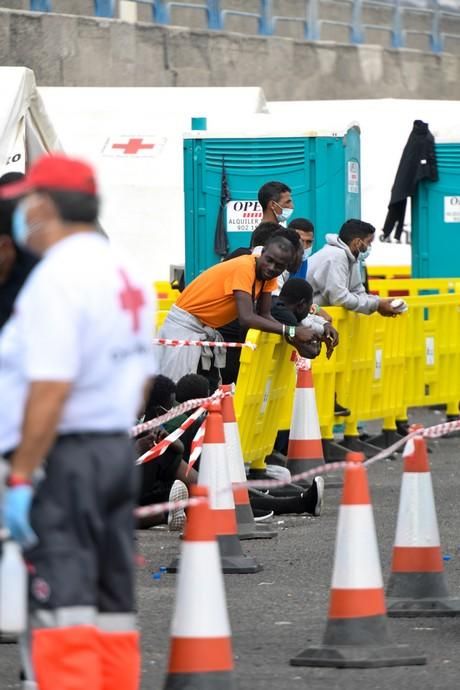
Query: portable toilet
[(321, 168), (436, 218)]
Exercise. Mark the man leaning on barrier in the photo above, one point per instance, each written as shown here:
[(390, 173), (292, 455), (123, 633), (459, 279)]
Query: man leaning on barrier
[(334, 271), (227, 291)]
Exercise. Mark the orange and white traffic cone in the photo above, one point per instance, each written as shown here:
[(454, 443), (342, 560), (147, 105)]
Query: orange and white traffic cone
[(247, 527), (417, 585), (356, 633), (305, 449), (214, 474), (200, 655)]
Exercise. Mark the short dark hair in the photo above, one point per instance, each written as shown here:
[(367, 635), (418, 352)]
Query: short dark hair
[(160, 394), (192, 386), (296, 289), (271, 191), (353, 228), (7, 206), (301, 224), (74, 207), (290, 235), (282, 242), (263, 232)]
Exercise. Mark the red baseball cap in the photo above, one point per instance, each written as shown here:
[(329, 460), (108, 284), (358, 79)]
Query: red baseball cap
[(55, 172)]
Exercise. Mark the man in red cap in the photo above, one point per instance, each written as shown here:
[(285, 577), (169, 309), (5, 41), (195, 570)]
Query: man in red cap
[(74, 360)]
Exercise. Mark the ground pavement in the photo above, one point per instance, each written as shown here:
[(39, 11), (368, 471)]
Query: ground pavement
[(275, 614)]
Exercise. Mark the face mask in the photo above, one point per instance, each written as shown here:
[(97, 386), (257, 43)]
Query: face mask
[(20, 229), (285, 214), (363, 255), (307, 253)]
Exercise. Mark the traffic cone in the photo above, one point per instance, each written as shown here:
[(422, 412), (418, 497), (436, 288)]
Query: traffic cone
[(200, 655), (247, 527), (214, 474), (305, 449), (356, 633), (417, 585)]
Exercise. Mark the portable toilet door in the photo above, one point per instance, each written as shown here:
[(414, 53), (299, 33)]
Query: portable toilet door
[(436, 218), (323, 173)]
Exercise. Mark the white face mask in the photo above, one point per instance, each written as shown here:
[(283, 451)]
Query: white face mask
[(307, 253), (285, 214)]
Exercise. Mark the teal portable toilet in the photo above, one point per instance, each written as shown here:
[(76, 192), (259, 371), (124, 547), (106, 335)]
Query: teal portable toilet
[(323, 171), (436, 219)]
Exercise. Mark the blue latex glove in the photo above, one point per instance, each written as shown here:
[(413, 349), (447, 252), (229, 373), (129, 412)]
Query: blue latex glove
[(16, 514)]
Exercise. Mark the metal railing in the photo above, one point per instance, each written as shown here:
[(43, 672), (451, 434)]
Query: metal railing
[(399, 26)]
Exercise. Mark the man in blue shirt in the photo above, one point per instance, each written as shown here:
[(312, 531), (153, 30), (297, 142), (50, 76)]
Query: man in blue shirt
[(306, 231)]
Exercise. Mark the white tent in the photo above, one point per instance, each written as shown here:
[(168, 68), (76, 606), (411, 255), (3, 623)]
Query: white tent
[(385, 126), (133, 136), (25, 130)]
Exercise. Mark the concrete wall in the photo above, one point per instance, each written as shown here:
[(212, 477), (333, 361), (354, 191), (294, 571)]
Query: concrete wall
[(80, 51)]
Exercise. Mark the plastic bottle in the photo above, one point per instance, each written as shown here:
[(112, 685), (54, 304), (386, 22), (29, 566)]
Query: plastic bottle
[(13, 589)]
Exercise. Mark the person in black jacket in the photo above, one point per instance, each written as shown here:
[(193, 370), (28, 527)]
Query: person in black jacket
[(418, 162), (15, 262)]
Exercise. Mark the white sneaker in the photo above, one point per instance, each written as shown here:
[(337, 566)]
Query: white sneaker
[(177, 517), (319, 481)]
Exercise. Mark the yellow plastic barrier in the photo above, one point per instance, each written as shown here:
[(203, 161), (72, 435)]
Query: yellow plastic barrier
[(432, 351), (414, 287), (266, 377), (385, 272), (165, 297)]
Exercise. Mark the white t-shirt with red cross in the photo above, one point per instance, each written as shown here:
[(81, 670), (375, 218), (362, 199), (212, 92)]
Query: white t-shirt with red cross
[(81, 317)]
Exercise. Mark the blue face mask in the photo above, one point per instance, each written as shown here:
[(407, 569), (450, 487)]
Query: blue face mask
[(285, 214), (364, 255), (20, 228), (307, 253)]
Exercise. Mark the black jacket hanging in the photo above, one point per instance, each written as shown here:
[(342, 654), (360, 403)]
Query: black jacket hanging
[(221, 245), (418, 162)]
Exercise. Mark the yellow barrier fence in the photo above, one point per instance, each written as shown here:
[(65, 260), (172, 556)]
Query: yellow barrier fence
[(381, 272), (266, 376), (414, 287), (166, 297)]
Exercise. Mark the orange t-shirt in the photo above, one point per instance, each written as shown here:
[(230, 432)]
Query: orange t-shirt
[(210, 296)]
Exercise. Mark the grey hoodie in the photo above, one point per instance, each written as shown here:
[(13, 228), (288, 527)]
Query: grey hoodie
[(335, 276)]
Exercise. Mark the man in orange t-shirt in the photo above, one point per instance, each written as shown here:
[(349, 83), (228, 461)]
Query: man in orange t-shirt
[(226, 291)]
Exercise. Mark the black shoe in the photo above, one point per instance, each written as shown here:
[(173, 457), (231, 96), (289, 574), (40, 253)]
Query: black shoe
[(262, 515), (314, 497), (340, 410)]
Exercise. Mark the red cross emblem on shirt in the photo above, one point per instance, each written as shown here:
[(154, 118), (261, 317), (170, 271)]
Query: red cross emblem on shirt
[(132, 300), (133, 146)]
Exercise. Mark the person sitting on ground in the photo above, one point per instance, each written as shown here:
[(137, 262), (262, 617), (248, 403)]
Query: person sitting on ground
[(334, 271), (167, 477), (224, 292)]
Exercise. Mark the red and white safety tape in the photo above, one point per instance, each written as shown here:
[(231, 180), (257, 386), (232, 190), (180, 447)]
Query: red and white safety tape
[(176, 412), (196, 446), (431, 432), (164, 444), (168, 342)]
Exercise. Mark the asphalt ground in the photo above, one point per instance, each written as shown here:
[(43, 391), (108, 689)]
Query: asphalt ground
[(280, 611)]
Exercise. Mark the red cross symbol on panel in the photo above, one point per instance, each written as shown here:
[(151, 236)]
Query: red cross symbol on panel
[(132, 300), (133, 146)]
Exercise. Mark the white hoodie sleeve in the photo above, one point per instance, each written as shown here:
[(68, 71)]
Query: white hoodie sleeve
[(331, 279)]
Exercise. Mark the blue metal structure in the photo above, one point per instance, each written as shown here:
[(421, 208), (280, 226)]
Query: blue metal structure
[(436, 218), (322, 171), (311, 21)]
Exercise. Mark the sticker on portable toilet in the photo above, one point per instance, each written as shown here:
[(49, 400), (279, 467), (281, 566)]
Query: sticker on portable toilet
[(353, 177), (378, 365), (429, 351), (452, 209), (133, 146), (243, 216)]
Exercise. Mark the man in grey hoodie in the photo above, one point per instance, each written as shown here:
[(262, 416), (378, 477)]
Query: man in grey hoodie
[(334, 271)]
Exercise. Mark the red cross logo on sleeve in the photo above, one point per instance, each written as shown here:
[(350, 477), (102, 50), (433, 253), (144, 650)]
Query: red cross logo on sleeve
[(131, 300)]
